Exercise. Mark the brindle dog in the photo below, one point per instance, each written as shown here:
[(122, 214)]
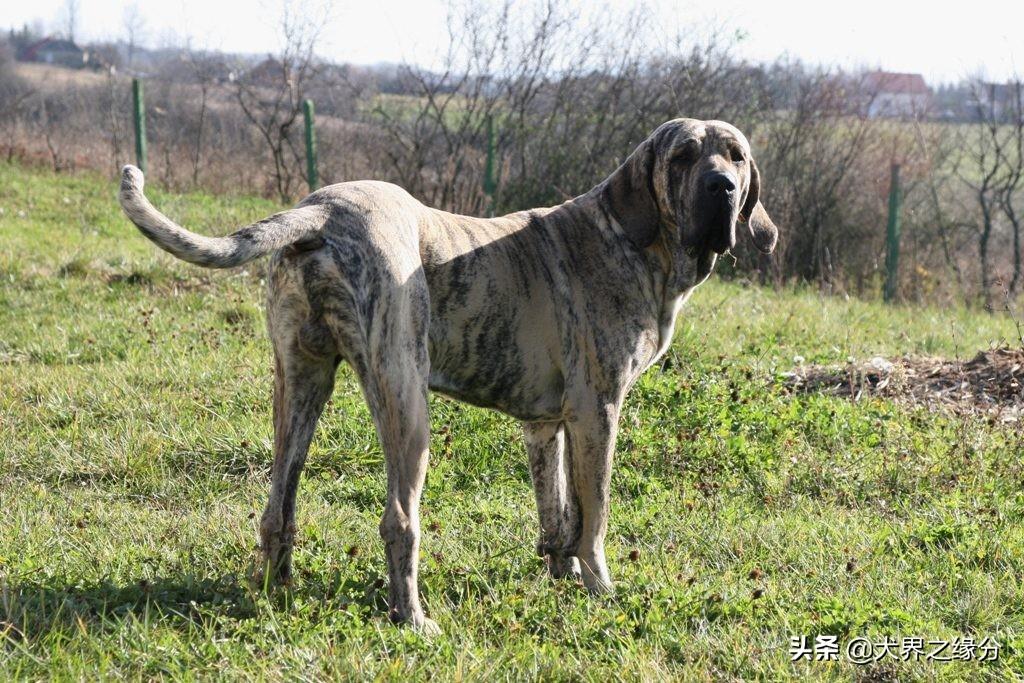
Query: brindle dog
[(548, 315)]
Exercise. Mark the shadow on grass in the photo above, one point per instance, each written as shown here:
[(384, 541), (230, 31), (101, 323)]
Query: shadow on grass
[(215, 467), (30, 611)]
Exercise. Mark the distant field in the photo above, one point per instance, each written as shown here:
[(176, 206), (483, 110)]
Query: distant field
[(135, 447), (56, 77)]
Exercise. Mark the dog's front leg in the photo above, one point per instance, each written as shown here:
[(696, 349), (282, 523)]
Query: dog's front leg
[(557, 507), (592, 433)]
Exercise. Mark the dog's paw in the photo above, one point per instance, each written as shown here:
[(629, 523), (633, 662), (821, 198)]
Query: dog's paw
[(427, 628), (257, 577), (418, 622), (599, 587), (263, 579), (596, 577), (563, 566)]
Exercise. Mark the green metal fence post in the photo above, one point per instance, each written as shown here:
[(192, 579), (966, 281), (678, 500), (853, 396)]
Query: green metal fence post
[(892, 237), (311, 172), (490, 183), (140, 124)]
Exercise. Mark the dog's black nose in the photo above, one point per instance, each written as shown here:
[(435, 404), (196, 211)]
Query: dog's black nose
[(717, 183)]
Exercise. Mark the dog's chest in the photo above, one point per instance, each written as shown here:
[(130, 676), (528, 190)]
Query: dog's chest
[(656, 342), (667, 323)]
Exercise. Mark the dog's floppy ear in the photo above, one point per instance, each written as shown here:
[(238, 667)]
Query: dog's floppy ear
[(629, 193), (762, 229)]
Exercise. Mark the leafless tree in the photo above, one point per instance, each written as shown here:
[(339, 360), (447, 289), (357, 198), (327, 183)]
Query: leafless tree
[(16, 94), (567, 99), (815, 150), (134, 22), (940, 186), (555, 98), (994, 174), (70, 17), (117, 125), (201, 73), (1013, 177), (51, 112), (271, 93)]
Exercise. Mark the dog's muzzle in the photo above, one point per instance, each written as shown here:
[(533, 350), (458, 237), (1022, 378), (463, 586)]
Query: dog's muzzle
[(718, 197)]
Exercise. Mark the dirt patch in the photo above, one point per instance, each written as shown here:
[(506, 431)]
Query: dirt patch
[(133, 278), (990, 384)]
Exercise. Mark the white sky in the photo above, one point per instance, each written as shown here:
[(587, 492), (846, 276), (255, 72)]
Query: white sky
[(945, 44)]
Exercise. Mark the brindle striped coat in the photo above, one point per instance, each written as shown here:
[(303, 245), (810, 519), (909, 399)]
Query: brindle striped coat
[(547, 315)]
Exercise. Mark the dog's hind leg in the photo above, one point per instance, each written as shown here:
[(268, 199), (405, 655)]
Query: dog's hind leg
[(389, 354), (397, 398), (557, 507), (401, 416), (302, 385)]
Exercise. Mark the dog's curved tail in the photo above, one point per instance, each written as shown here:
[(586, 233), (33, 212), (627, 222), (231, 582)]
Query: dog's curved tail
[(280, 230)]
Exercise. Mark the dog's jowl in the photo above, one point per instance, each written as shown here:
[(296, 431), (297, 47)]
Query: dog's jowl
[(548, 315)]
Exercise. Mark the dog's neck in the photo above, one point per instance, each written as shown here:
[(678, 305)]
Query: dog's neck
[(664, 259)]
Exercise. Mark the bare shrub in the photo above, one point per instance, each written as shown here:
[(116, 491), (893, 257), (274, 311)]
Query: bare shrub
[(992, 171), (15, 94), (568, 99), (272, 93), (556, 98)]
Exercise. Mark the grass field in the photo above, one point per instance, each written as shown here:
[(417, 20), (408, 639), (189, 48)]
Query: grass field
[(135, 447)]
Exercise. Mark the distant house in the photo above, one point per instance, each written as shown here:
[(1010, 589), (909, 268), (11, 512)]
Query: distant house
[(57, 51), (269, 72), (895, 95), (997, 101)]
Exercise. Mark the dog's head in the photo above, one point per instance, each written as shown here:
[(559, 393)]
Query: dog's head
[(690, 182)]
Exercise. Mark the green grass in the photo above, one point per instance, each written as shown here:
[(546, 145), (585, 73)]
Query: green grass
[(135, 446)]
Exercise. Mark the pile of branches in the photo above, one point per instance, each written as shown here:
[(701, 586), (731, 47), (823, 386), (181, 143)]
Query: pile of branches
[(990, 384)]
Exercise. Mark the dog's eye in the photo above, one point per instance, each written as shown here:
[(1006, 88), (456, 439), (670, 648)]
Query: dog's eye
[(687, 153), (736, 155)]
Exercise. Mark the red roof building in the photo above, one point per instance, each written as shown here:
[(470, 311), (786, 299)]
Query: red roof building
[(53, 50), (897, 95)]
